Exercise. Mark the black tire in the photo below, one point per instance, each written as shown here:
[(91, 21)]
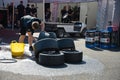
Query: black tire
[(46, 44), (43, 35), (52, 35), (66, 43), (72, 34), (51, 59), (73, 56), (60, 33), (83, 33)]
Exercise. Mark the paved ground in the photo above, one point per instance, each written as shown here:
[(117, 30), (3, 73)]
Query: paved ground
[(98, 64)]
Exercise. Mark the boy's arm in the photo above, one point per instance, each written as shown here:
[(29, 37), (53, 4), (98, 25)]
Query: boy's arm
[(42, 26)]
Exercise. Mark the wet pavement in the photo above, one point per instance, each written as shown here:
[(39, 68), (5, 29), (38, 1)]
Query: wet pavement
[(98, 64)]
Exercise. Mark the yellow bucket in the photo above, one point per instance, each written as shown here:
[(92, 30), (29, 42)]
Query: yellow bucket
[(17, 49)]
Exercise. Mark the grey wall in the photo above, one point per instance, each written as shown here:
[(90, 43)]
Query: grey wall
[(92, 14)]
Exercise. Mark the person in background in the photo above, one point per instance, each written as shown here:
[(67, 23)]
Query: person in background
[(1, 26), (28, 25), (47, 14), (70, 13), (28, 10), (33, 10), (63, 13), (10, 14), (21, 11)]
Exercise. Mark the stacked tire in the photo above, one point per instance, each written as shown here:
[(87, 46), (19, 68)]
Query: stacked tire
[(67, 47), (44, 34), (52, 52), (47, 52)]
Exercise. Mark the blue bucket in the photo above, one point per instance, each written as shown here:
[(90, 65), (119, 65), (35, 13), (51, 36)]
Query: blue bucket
[(105, 39), (89, 38)]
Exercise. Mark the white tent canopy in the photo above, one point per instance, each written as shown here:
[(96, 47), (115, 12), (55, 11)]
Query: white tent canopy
[(60, 1)]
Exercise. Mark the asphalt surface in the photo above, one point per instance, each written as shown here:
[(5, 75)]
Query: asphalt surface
[(98, 64)]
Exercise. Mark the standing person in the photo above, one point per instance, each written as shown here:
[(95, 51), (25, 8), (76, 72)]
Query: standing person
[(47, 14), (1, 26), (10, 14), (21, 11), (28, 25), (63, 13), (70, 13), (28, 10), (33, 10), (76, 13)]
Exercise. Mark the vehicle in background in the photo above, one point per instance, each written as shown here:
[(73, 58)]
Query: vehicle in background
[(61, 29)]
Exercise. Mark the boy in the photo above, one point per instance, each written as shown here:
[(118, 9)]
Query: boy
[(28, 25)]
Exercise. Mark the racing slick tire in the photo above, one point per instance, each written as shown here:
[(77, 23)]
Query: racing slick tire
[(51, 59), (46, 44), (43, 35), (52, 35), (73, 56), (66, 43)]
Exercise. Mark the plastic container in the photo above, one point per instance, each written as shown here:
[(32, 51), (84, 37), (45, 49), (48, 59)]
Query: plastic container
[(17, 49), (89, 38), (114, 36), (105, 39), (97, 38)]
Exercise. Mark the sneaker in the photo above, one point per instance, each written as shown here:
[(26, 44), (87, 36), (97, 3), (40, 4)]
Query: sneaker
[(31, 48)]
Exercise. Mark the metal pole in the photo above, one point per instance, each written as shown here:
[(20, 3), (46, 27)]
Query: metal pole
[(43, 10), (3, 3), (13, 17)]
